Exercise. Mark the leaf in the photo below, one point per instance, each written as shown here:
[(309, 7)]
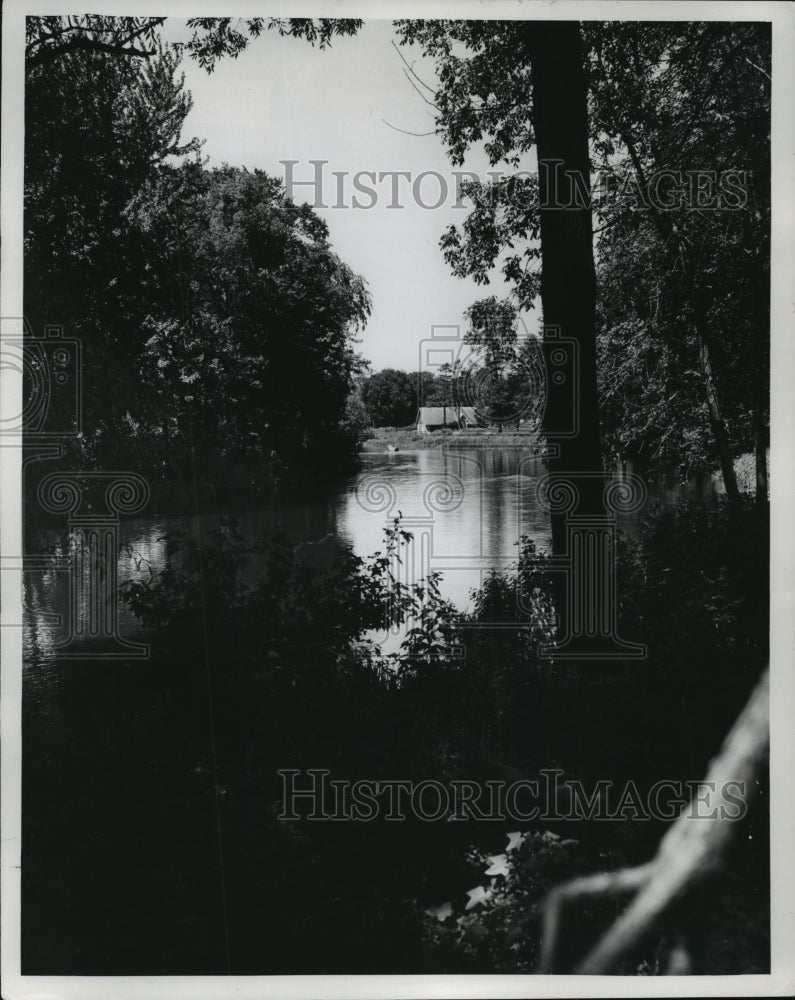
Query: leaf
[(515, 840), (478, 895), (499, 865), (475, 932), (441, 912)]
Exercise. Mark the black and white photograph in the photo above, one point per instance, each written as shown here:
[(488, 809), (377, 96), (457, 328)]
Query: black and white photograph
[(396, 474)]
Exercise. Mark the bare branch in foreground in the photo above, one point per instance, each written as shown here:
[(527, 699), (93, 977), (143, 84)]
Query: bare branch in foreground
[(691, 849)]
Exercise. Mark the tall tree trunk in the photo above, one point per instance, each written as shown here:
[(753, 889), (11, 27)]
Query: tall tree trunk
[(568, 281)]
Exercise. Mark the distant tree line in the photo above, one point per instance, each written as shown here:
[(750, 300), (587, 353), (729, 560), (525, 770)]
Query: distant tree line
[(497, 372), (392, 397)]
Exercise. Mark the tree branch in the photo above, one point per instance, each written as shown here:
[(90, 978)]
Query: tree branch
[(83, 42), (692, 848), (417, 89), (762, 71), (410, 68), (82, 38), (405, 131)]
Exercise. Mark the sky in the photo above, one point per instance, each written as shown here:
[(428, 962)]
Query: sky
[(284, 100)]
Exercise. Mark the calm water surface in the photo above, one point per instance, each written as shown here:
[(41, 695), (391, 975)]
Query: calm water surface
[(467, 510)]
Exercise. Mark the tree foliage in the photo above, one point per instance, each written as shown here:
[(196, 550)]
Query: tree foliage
[(50, 38), (283, 651), (687, 286), (191, 291), (249, 289), (681, 117), (98, 129), (390, 397)]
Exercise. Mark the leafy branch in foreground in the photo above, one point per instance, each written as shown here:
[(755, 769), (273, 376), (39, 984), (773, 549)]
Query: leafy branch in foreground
[(49, 39)]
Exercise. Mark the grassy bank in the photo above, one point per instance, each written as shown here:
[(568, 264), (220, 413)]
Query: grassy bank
[(384, 438)]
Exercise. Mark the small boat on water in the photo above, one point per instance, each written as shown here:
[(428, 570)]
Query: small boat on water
[(392, 447)]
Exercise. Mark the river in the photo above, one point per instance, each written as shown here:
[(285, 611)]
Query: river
[(467, 510)]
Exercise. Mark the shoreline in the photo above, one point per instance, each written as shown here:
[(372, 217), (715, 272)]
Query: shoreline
[(394, 439), (388, 440)]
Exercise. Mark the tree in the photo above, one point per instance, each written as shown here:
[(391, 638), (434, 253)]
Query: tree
[(49, 39), (248, 288), (159, 270), (689, 105), (98, 128), (492, 330), (489, 380), (433, 388), (657, 100), (390, 397), (521, 86)]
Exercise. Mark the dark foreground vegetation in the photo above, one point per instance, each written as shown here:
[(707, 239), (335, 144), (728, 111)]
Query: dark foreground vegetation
[(151, 793)]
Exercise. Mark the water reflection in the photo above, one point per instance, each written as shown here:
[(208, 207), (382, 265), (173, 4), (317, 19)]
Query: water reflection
[(467, 511), (468, 508)]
